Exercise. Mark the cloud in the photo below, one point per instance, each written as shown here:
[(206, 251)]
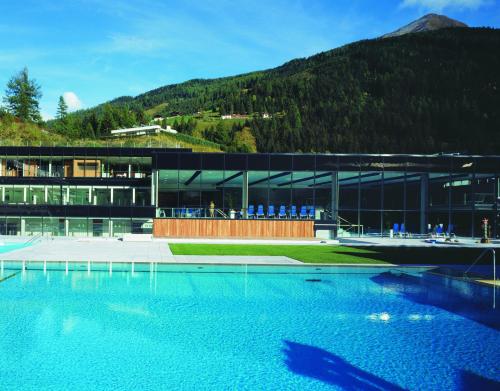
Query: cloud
[(439, 5), (72, 100), (46, 116)]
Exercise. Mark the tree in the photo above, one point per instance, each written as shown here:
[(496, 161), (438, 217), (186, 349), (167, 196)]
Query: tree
[(22, 96), (62, 109)]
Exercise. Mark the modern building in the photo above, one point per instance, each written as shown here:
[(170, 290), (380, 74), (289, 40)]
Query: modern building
[(77, 191), (142, 130)]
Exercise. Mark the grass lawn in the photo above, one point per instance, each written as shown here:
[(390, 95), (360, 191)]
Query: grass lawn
[(340, 254)]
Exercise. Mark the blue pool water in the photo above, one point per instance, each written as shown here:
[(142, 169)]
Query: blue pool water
[(6, 247), (165, 327)]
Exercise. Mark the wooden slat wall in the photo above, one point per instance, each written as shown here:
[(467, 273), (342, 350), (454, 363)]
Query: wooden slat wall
[(233, 228)]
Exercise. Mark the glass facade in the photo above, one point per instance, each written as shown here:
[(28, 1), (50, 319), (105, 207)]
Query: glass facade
[(113, 191)]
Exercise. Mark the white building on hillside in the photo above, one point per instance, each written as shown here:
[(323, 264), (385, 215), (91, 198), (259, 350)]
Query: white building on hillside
[(142, 130)]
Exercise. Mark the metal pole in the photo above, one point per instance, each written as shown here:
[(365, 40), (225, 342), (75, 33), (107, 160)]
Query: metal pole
[(494, 279)]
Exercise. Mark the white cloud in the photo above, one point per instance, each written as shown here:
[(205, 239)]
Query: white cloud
[(46, 116), (439, 5), (72, 100)]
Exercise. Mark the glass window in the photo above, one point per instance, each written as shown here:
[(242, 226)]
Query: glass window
[(189, 189), (439, 189), (413, 183), (258, 191), (371, 190), (370, 222), (394, 190), (78, 227), (168, 188), (122, 197), (211, 185), (348, 189)]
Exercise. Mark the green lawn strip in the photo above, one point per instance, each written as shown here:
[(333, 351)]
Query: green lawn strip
[(343, 254), (307, 254)]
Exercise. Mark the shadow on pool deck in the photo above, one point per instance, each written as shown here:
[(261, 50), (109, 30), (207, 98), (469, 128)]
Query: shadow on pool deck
[(468, 300), (322, 365)]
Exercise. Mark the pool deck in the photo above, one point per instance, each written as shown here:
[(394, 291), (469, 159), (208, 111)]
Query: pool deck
[(144, 249), (113, 250)]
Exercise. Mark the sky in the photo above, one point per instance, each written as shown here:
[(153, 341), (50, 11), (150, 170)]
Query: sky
[(91, 51)]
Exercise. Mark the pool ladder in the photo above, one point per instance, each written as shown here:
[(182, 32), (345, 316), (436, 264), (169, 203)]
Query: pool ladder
[(34, 239), (492, 251)]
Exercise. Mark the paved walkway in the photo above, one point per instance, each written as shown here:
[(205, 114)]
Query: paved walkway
[(98, 250), (398, 242), (113, 250)]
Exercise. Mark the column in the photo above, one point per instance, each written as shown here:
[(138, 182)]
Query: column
[(129, 171), (50, 168), (111, 195), (424, 202), (90, 195), (110, 228), (46, 194), (335, 200), (66, 227), (153, 188), (133, 196), (244, 195), (67, 195), (3, 193), (25, 194), (23, 227)]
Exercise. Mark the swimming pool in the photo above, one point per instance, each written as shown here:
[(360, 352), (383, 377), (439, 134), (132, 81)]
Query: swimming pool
[(151, 326), (10, 246)]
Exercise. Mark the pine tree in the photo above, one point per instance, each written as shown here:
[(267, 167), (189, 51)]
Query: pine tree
[(62, 109), (22, 97)]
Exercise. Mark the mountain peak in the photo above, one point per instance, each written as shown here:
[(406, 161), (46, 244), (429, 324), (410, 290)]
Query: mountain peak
[(428, 22)]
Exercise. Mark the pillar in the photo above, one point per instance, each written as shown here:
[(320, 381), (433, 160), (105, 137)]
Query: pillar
[(46, 194), (424, 202), (153, 188), (110, 228), (244, 195), (111, 195), (3, 193), (133, 196), (66, 227), (25, 194), (50, 168), (130, 171), (67, 195), (90, 195), (335, 200), (23, 227)]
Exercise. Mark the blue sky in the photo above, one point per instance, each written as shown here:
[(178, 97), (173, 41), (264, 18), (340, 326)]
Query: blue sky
[(93, 51)]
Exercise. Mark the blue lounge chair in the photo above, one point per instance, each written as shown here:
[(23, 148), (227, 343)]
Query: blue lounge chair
[(250, 212), (270, 211), (395, 229), (402, 230), (303, 212), (439, 230), (183, 212), (282, 212), (312, 214), (293, 212), (260, 211)]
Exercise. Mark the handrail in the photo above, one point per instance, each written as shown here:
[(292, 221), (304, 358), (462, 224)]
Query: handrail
[(221, 213), (486, 250), (34, 239)]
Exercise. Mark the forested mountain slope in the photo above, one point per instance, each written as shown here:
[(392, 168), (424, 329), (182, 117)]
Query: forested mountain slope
[(426, 92)]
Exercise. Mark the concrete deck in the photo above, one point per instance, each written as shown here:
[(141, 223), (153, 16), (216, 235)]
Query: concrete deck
[(113, 250), (411, 242)]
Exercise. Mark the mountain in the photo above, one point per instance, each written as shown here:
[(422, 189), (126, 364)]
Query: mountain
[(435, 91), (429, 22)]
